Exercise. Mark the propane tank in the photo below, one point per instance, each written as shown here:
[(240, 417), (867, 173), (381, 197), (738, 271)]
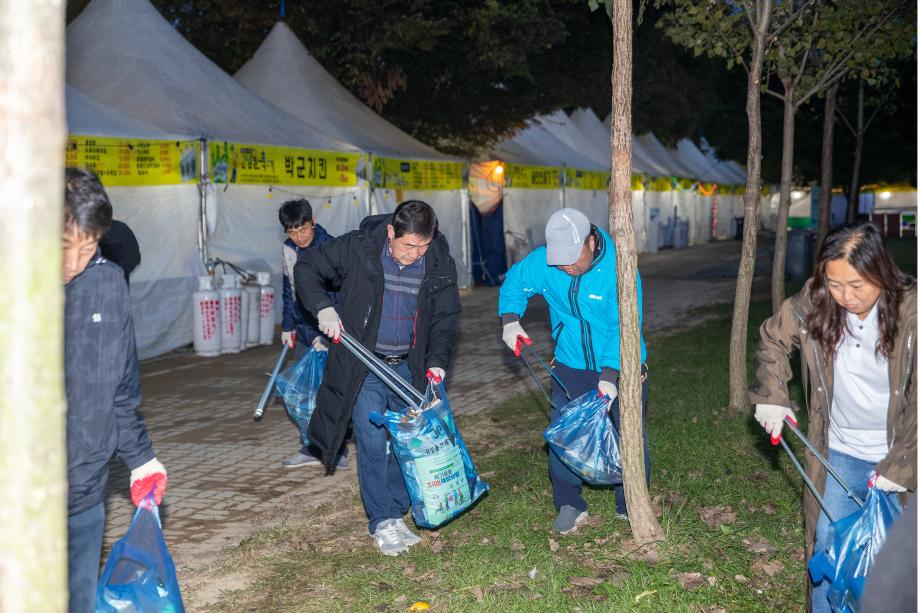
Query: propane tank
[(244, 314), (266, 308), (230, 314), (253, 330), (206, 314)]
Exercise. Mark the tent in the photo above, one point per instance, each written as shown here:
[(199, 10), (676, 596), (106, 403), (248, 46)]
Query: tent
[(283, 72), (162, 213), (253, 149)]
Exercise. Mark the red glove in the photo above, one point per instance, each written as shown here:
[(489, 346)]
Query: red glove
[(435, 374), (147, 478)]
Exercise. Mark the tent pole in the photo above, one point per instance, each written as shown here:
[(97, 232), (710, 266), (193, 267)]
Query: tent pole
[(465, 219), (203, 203)]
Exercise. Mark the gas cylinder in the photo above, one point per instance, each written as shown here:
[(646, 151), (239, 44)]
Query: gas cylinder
[(230, 314), (206, 315), (244, 314), (253, 330), (266, 308)]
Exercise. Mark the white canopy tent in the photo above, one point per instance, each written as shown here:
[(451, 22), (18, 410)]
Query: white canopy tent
[(165, 220), (161, 79), (283, 72)]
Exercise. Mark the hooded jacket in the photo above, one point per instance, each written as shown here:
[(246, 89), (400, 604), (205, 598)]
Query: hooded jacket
[(788, 330), (102, 383), (293, 315), (351, 264)]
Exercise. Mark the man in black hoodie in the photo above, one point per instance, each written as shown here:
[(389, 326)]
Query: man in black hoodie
[(102, 384), (398, 297)]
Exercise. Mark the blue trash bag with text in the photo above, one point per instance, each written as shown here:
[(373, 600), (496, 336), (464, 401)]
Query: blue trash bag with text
[(298, 384), (858, 537), (436, 465), (139, 576), (584, 438)]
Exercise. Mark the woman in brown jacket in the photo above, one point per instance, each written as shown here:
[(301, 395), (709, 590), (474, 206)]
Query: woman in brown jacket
[(855, 326)]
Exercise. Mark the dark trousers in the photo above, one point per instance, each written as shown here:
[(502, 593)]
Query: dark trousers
[(84, 550), (380, 479), (567, 484)]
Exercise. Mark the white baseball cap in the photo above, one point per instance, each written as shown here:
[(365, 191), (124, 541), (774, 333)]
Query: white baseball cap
[(566, 232)]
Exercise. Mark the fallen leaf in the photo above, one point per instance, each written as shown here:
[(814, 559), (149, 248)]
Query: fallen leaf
[(484, 541), (400, 599), (515, 489), (384, 587), (437, 547), (588, 545), (771, 568), (594, 521), (487, 474), (759, 476), (664, 472), (760, 548), (648, 554), (585, 581), (673, 498), (717, 516), (533, 573), (477, 592), (690, 581), (643, 595), (420, 605), (602, 541), (694, 419), (506, 587), (741, 579), (409, 570), (517, 546), (769, 508), (712, 581), (434, 534), (695, 473), (553, 545)]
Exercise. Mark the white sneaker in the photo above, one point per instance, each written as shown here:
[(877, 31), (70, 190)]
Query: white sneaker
[(301, 459), (409, 537), (388, 538)]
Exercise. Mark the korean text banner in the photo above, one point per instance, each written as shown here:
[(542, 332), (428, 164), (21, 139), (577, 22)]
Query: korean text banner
[(586, 179), (271, 165), (394, 173), (128, 162), (533, 177)]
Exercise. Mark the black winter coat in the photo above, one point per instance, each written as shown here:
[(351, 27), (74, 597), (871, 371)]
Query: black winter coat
[(352, 264)]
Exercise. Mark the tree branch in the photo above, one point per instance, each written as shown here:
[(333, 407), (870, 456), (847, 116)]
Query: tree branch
[(879, 107), (792, 18), (846, 121)]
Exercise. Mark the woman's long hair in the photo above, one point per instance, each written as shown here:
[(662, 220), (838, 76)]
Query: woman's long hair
[(862, 247)]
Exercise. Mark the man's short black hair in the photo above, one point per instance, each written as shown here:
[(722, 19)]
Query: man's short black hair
[(295, 213), (415, 217), (87, 208)]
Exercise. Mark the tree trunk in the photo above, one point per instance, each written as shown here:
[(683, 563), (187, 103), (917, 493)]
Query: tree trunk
[(827, 166), (778, 278), (737, 373), (33, 485), (645, 528), (853, 204)]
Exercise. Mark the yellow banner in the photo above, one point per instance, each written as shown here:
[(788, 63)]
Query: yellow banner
[(126, 162), (637, 184), (272, 165), (532, 177), (586, 179), (394, 173), (659, 184)]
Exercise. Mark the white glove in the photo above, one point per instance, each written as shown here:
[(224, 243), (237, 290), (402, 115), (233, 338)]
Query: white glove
[(771, 417), (513, 334), (607, 388), (146, 478), (436, 375), (288, 338), (886, 485), (329, 323), (319, 344)]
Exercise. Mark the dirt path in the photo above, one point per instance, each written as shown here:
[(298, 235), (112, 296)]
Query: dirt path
[(226, 480)]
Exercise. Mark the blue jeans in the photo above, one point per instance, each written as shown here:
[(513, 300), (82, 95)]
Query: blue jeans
[(566, 483), (84, 550), (383, 490), (856, 472)]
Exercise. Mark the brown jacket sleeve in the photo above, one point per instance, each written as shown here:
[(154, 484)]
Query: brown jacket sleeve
[(900, 465), (779, 336)]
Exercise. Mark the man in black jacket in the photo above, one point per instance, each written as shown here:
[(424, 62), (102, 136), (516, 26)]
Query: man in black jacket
[(102, 384), (398, 297)]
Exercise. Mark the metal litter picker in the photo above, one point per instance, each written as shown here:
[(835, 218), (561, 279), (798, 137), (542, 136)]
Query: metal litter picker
[(436, 466)]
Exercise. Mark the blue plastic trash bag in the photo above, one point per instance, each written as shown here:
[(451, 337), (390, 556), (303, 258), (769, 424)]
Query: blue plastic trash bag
[(584, 438), (139, 576), (436, 466), (858, 537), (298, 384)]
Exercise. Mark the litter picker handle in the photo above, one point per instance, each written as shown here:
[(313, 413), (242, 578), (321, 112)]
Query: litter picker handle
[(260, 410), (811, 486), (383, 372), (548, 369), (830, 469), (537, 380)]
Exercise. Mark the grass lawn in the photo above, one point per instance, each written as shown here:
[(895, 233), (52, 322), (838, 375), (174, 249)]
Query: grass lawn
[(730, 508)]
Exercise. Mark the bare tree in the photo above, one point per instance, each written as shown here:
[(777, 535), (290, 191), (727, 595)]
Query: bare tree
[(33, 487)]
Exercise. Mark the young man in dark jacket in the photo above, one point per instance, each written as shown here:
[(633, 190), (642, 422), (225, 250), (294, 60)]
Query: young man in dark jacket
[(398, 297), (102, 384), (298, 327)]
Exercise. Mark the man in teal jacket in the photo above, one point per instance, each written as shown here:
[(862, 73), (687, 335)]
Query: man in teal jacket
[(576, 274)]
